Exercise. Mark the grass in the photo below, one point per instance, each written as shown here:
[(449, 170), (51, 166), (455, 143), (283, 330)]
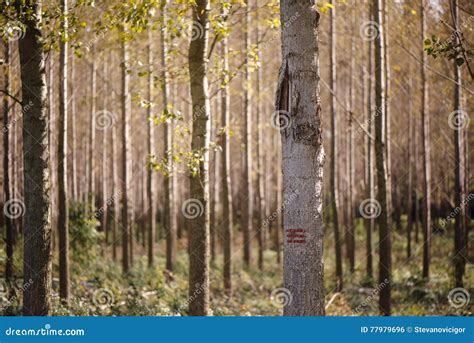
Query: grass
[(99, 288)]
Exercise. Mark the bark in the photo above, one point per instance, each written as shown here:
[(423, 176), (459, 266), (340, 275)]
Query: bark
[(350, 208), (334, 170), (279, 203), (199, 184), (169, 179), (92, 144), (127, 207), (6, 168), (369, 222), (227, 221), (248, 158), (425, 129), (381, 166), (37, 219), (460, 243), (104, 208), (75, 194), (410, 165), (115, 190), (260, 162), (53, 163), (63, 196), (298, 100), (150, 177)]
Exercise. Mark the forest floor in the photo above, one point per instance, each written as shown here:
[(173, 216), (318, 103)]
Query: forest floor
[(100, 288)]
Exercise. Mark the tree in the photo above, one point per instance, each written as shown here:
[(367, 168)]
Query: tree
[(226, 197), (369, 222), (126, 158), (381, 165), (425, 129), (459, 167), (150, 179), (298, 104), (63, 198), (6, 168), (169, 183), (334, 138), (199, 181), (37, 219), (92, 122), (247, 180)]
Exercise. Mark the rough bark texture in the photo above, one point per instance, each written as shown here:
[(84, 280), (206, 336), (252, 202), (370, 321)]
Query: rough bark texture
[(199, 184), (63, 199), (334, 171), (169, 180), (381, 166), (425, 129), (298, 101), (37, 232), (126, 162), (150, 176), (226, 197)]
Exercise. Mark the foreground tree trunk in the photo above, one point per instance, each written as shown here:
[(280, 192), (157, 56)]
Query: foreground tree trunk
[(92, 146), (425, 129), (37, 232), (334, 174), (381, 166), (298, 104), (63, 199), (199, 226)]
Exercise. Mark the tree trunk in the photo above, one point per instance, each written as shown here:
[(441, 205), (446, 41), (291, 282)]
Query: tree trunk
[(298, 104), (6, 169), (150, 177), (37, 219), (126, 161), (226, 197), (63, 196), (351, 222), (334, 170), (92, 145), (425, 129), (460, 243), (370, 194), (75, 195), (381, 166), (104, 207), (410, 166), (199, 182), (247, 108), (260, 153)]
